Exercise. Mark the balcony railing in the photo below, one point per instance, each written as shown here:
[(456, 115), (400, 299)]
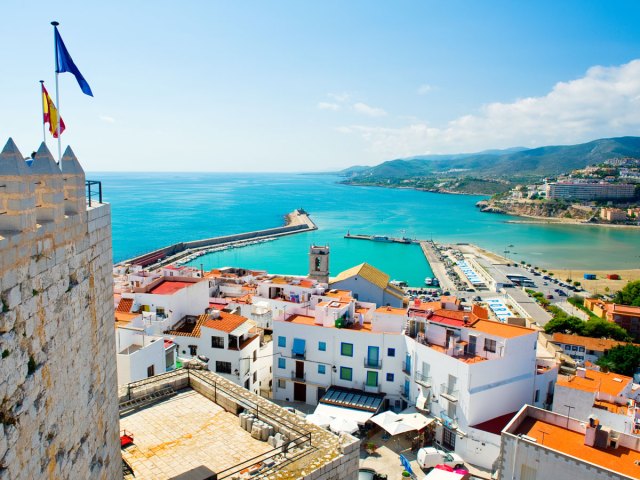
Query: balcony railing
[(406, 367), (404, 393), (371, 388), (298, 355), (448, 421), (371, 363), (301, 377), (423, 380), (449, 392)]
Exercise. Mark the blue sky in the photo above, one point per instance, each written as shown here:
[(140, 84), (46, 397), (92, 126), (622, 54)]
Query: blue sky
[(309, 86)]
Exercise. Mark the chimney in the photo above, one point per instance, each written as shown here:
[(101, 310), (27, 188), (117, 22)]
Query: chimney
[(465, 319), (17, 198)]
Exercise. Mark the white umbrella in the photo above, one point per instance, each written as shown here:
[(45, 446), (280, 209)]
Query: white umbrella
[(319, 419), (393, 423), (343, 425)]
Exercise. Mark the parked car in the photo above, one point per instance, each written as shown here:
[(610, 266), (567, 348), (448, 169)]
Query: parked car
[(549, 297), (561, 293), (429, 457), (477, 299)]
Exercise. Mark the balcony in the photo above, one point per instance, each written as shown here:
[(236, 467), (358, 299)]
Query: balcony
[(448, 421), (449, 392), (406, 367), (298, 377), (371, 388), (423, 380), (299, 355), (404, 394), (372, 363)]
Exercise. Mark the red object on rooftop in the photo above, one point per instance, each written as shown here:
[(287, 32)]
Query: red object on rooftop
[(126, 439)]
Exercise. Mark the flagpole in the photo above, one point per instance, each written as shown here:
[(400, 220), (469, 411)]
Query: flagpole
[(55, 46), (44, 135)]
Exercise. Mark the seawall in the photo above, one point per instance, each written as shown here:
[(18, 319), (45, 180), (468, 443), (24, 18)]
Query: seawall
[(297, 221)]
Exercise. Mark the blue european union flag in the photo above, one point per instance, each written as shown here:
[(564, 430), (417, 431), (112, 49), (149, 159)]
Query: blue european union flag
[(64, 63)]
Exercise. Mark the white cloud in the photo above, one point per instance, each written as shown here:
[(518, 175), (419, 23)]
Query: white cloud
[(604, 102), (424, 89), (328, 106), (339, 97), (368, 110), (108, 119)]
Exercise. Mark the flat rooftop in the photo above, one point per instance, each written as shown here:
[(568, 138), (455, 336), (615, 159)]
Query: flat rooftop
[(558, 438), (594, 381), (184, 432)]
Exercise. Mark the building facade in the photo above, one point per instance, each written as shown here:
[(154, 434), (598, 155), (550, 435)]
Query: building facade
[(589, 191)]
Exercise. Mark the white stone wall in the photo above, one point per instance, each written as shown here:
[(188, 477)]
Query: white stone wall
[(58, 394)]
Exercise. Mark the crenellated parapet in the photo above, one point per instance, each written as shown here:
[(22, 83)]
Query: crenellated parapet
[(41, 193)]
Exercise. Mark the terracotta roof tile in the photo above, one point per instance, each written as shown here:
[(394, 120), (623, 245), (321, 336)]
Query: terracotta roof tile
[(125, 305)]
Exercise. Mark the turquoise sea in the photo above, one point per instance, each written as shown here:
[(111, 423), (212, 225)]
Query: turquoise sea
[(151, 210)]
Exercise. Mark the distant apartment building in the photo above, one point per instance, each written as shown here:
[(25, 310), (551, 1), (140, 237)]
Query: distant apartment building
[(605, 395), (538, 444), (613, 215), (627, 316), (589, 191)]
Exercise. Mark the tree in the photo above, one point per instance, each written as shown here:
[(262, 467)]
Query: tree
[(629, 295), (599, 328), (576, 283), (623, 359), (563, 323)]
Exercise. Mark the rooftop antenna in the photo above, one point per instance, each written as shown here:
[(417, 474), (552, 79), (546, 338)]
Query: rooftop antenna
[(569, 414)]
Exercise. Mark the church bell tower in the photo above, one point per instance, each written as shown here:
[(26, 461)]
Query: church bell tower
[(319, 263)]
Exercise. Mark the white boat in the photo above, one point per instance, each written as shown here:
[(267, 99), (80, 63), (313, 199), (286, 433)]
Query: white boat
[(428, 281)]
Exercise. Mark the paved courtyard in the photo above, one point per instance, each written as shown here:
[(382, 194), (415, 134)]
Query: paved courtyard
[(184, 432)]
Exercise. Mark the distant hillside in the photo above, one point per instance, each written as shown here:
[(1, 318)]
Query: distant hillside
[(535, 162)]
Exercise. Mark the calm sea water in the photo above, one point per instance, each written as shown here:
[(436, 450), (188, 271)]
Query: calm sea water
[(151, 210)]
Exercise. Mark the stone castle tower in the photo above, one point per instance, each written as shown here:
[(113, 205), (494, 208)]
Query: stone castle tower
[(58, 390), (319, 263)]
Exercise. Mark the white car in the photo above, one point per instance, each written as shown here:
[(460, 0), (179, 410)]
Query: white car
[(429, 457)]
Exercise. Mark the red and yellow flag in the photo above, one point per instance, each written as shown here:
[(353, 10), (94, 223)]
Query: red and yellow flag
[(50, 114)]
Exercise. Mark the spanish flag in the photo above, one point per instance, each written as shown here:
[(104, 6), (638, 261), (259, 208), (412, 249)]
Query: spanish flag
[(50, 114)]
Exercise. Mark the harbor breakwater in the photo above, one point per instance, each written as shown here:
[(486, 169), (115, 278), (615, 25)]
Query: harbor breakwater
[(297, 221)]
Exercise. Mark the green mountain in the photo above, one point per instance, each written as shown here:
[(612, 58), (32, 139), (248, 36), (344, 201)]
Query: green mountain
[(534, 162)]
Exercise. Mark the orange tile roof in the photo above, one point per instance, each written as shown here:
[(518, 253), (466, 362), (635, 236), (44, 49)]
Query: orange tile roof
[(169, 287), (500, 329), (595, 381), (596, 344), (125, 305), (124, 318), (621, 459), (226, 322), (311, 321)]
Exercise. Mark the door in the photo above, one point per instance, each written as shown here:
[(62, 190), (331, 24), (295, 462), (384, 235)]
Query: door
[(449, 438), (321, 392), (299, 392), (300, 370), (471, 348), (373, 356)]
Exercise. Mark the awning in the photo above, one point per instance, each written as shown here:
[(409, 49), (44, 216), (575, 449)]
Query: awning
[(299, 346), (392, 423), (243, 328), (358, 416)]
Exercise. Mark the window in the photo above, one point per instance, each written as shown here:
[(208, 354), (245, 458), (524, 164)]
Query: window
[(391, 352), (217, 342), (372, 379), (489, 345), (322, 346), (282, 383), (322, 369), (193, 350), (282, 362), (255, 377), (537, 397), (151, 371), (223, 367), (255, 355), (282, 342), (390, 377), (346, 373), (346, 350)]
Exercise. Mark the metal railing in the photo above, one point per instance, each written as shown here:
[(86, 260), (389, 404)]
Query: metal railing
[(447, 420), (297, 376), (406, 367), (423, 380), (298, 356), (449, 392), (371, 363), (94, 188)]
